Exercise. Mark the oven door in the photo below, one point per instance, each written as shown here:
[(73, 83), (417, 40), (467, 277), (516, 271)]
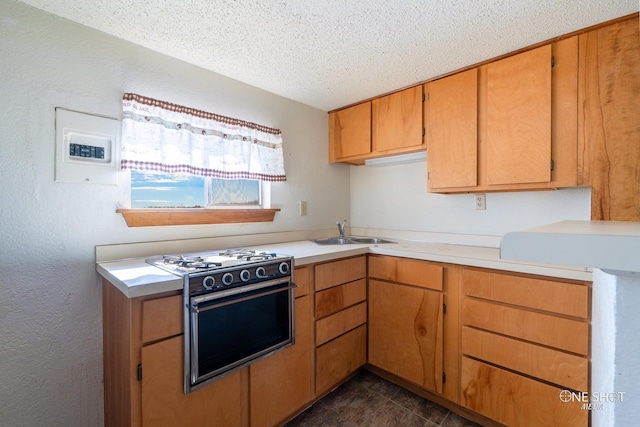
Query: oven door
[(230, 329)]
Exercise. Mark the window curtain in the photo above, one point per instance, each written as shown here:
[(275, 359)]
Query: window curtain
[(169, 138)]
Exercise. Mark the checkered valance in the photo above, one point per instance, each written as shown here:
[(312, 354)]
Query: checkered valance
[(169, 138)]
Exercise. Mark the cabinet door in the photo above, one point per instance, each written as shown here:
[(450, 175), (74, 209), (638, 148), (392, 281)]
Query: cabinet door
[(609, 120), (164, 402), (451, 130), (397, 121), (282, 383), (350, 132), (518, 118), (405, 332)]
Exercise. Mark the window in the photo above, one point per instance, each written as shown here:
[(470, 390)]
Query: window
[(184, 160), (161, 190)]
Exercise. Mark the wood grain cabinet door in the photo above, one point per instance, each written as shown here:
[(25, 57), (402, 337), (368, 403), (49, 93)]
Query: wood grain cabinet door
[(164, 402), (397, 121), (609, 120), (282, 384), (350, 132), (406, 332), (451, 130), (518, 118)]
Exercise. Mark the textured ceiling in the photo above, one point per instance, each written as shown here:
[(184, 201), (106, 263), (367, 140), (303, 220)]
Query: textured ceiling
[(332, 53)]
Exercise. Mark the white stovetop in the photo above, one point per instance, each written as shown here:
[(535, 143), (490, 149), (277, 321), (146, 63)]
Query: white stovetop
[(608, 245)]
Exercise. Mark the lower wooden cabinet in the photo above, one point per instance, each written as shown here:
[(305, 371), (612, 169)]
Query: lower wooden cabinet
[(516, 400), (283, 383), (340, 358), (406, 319), (133, 328), (509, 345), (164, 402), (524, 340), (143, 368), (405, 332), (341, 317)]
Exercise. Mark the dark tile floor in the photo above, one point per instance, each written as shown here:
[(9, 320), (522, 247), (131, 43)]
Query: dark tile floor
[(368, 400)]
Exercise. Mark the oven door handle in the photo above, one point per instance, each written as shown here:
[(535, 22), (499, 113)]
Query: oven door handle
[(195, 302)]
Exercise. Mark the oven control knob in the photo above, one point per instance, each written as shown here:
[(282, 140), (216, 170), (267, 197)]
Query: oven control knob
[(261, 273), (227, 278), (283, 268), (208, 282), (245, 275)]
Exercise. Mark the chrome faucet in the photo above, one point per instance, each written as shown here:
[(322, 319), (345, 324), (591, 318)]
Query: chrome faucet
[(341, 228)]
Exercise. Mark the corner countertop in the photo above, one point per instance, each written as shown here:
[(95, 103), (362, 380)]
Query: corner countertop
[(613, 246), (134, 277)]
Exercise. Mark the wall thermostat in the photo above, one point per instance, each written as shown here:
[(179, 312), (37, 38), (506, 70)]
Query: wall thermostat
[(86, 148)]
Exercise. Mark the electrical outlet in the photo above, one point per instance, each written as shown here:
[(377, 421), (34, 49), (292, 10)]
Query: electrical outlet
[(481, 202), (303, 208)]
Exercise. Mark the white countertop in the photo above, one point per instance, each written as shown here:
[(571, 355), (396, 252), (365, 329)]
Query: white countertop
[(607, 245), (136, 278)]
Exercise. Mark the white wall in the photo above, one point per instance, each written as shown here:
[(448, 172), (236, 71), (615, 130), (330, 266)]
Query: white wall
[(603, 343), (395, 197), (50, 302), (614, 347)]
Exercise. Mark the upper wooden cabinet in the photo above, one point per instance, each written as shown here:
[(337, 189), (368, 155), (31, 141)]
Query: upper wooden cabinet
[(506, 125), (451, 130), (397, 122), (609, 123), (387, 125), (350, 133), (518, 118)]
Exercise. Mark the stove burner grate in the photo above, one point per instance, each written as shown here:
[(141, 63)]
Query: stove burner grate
[(248, 255), (189, 262)]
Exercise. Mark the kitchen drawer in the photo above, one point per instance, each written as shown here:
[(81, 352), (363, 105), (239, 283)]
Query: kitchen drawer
[(554, 331), (570, 298), (338, 359), (339, 323), (557, 367), (404, 270), (302, 278), (515, 400), (339, 272), (162, 318), (337, 298)]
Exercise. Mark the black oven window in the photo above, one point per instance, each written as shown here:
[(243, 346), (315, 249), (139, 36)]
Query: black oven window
[(229, 334)]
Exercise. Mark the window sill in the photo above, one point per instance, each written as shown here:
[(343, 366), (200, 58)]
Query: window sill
[(164, 217)]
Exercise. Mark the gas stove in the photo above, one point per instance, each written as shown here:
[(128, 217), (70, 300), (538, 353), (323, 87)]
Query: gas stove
[(238, 308), (214, 272)]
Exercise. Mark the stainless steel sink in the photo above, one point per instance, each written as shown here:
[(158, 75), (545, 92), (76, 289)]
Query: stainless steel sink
[(369, 240), (351, 240), (334, 241)]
